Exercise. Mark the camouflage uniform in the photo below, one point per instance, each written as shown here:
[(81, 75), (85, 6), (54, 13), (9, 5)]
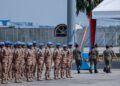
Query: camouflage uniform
[(1, 56), (93, 57), (18, 59), (48, 61), (0, 62), (30, 55), (114, 56), (23, 62), (107, 54), (69, 63), (35, 49), (6, 51), (10, 66), (57, 62), (40, 63), (78, 59), (0, 69), (64, 62)]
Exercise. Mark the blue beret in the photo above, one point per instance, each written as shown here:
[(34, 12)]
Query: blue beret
[(29, 43), (2, 43), (58, 44), (49, 43), (8, 42), (18, 42), (64, 45)]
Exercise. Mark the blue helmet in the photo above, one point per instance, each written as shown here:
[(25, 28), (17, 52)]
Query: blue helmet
[(41, 44), (64, 45), (29, 44), (15, 43), (23, 43), (2, 43), (18, 43), (49, 43), (58, 44), (8, 43)]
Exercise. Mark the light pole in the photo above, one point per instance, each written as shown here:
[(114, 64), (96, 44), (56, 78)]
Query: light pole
[(70, 20)]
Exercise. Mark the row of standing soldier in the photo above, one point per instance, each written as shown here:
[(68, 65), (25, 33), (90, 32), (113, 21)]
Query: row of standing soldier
[(20, 61)]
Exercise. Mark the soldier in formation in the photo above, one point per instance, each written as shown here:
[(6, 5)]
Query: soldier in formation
[(48, 60), (69, 60), (57, 61), (64, 54), (20, 61), (40, 61)]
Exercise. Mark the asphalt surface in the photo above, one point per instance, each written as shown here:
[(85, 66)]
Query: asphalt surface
[(115, 65), (83, 79)]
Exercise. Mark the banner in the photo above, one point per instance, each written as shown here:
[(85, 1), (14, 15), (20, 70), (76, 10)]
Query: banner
[(92, 31)]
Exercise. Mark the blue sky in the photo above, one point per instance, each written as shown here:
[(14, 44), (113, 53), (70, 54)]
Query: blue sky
[(42, 12)]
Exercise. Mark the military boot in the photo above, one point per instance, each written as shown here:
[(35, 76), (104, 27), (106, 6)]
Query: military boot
[(95, 71), (4, 82), (90, 71)]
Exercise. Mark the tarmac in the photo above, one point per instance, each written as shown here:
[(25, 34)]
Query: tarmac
[(82, 79)]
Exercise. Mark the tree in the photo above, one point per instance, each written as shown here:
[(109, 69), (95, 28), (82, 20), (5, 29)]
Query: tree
[(87, 6)]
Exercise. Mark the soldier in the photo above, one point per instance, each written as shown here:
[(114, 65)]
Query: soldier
[(78, 58), (97, 57), (107, 55), (35, 50), (64, 53), (13, 62), (29, 57), (57, 61), (1, 56), (10, 66), (48, 60), (69, 61), (23, 45), (93, 57), (18, 58), (113, 53), (40, 61), (6, 55)]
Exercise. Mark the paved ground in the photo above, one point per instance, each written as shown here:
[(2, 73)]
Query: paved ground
[(83, 79), (115, 65)]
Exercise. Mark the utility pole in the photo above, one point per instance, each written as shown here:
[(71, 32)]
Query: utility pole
[(71, 20)]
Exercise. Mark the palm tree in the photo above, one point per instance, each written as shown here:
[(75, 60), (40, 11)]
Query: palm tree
[(87, 6)]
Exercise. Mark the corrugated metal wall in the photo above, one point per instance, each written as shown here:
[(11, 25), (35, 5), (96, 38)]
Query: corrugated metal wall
[(30, 34), (104, 35)]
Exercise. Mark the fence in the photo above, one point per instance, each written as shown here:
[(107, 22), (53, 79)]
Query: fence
[(42, 34), (104, 35)]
